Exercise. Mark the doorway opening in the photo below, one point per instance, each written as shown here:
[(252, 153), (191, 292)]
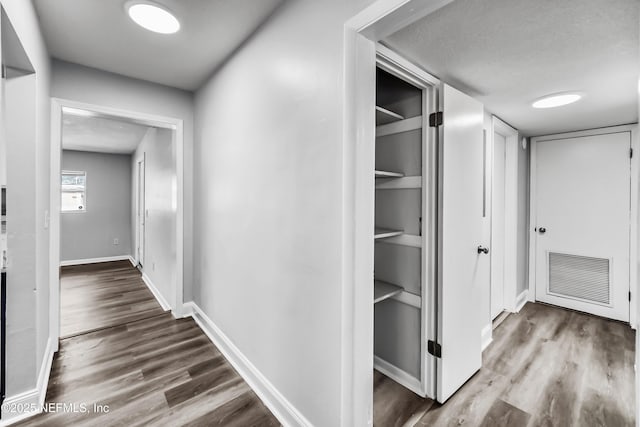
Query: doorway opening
[(125, 169), (409, 29)]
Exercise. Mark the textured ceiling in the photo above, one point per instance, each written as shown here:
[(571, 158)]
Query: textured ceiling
[(99, 34), (100, 134), (507, 53)]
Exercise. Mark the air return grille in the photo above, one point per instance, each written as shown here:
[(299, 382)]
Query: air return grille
[(579, 277)]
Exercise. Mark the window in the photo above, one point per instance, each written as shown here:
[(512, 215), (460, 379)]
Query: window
[(73, 191)]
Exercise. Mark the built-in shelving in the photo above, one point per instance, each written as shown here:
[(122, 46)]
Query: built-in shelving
[(383, 290), (392, 128), (386, 174), (406, 182), (384, 116), (405, 240), (383, 233)]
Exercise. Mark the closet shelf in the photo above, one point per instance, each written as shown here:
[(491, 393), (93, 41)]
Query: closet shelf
[(383, 233), (406, 182), (405, 125), (385, 174), (384, 116), (403, 240), (383, 290)]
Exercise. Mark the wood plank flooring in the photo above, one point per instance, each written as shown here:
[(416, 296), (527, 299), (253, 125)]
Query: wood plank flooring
[(157, 371), (96, 296), (546, 367)]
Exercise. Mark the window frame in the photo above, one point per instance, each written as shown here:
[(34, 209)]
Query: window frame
[(84, 191)]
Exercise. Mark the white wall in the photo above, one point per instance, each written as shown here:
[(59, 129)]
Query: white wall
[(158, 151), (107, 215), (269, 194), (89, 85), (26, 347)]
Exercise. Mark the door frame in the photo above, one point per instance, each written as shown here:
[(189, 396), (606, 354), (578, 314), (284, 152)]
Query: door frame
[(141, 189), (510, 289), (361, 33), (176, 125), (633, 215)]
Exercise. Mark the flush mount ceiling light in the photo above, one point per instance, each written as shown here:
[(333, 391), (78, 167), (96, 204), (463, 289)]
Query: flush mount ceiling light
[(557, 100), (153, 17)]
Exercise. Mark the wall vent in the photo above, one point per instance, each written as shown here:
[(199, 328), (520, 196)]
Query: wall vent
[(579, 277)]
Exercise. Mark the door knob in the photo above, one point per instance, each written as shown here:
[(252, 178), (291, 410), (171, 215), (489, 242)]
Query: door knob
[(483, 250), (542, 230)]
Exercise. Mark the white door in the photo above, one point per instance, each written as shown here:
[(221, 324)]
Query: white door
[(582, 229), (463, 268), (141, 212), (498, 224)]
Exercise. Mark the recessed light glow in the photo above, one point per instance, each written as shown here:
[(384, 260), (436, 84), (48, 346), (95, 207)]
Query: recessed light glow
[(153, 18), (557, 100)]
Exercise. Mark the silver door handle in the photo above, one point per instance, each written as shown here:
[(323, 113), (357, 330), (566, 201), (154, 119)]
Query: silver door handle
[(483, 250), (542, 230)]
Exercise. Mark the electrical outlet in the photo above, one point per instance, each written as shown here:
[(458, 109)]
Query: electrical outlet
[(116, 241)]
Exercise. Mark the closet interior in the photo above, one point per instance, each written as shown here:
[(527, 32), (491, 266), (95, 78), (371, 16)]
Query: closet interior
[(401, 231)]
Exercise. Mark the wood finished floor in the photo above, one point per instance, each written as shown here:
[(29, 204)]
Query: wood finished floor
[(157, 371), (97, 296), (546, 367)]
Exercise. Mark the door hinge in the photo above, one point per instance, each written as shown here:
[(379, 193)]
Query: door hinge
[(631, 153), (629, 295), (435, 119), (434, 348)]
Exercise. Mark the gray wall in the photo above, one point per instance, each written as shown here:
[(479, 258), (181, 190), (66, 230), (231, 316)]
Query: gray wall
[(90, 234), (269, 203), (159, 262), (83, 84)]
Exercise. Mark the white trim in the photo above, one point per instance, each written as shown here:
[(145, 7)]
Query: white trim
[(57, 105), (398, 375), (156, 293), (487, 336), (512, 147), (132, 261), (522, 299), (94, 260), (633, 217), (281, 408), (33, 398)]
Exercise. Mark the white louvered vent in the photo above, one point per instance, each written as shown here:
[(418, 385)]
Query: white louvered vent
[(579, 277)]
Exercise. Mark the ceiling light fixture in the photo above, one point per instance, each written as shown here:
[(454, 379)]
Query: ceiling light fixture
[(557, 100), (153, 17)]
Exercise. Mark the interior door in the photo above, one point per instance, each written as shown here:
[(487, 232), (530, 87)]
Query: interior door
[(141, 211), (463, 264), (582, 224)]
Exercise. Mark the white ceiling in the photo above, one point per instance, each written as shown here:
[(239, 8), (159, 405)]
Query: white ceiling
[(99, 34), (507, 53), (100, 134)]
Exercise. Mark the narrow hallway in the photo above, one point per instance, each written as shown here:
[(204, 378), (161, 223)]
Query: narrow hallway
[(138, 365)]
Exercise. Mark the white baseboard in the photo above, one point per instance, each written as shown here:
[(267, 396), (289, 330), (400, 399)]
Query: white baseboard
[(94, 260), (281, 408), (156, 293), (398, 375), (31, 398), (487, 335), (521, 300), (133, 261)]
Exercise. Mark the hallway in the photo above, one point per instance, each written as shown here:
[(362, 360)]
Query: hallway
[(143, 367)]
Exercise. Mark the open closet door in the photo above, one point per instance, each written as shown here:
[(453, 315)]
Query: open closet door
[(461, 246)]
